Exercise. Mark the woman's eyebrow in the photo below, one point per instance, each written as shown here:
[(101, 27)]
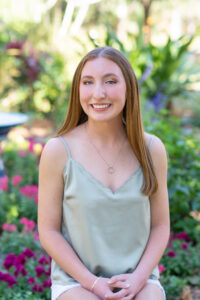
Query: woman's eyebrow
[(105, 75)]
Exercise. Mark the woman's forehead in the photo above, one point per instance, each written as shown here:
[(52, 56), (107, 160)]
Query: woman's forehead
[(101, 65)]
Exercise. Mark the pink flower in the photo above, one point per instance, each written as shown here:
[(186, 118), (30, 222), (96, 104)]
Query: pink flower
[(15, 45), (31, 280), (184, 246), (20, 260), (35, 287), (16, 180), (38, 288), (39, 270), (36, 236), (9, 261), (30, 192), (48, 272), (1, 151), (22, 153), (28, 224), (4, 183), (182, 236), (31, 145), (7, 278), (47, 283), (171, 253), (28, 253), (43, 261), (9, 227), (161, 269)]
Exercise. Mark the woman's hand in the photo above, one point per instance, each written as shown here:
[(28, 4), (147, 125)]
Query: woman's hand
[(130, 285), (102, 288)]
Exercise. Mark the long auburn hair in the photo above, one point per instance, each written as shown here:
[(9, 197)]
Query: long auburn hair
[(131, 112)]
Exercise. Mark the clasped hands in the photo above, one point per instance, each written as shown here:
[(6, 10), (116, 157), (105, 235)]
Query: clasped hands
[(127, 285)]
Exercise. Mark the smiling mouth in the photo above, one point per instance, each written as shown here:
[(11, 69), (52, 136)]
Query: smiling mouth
[(100, 106)]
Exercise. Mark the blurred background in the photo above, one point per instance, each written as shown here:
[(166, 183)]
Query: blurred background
[(41, 43)]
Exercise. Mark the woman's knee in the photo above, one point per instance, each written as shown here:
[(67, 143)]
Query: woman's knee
[(151, 292), (78, 293)]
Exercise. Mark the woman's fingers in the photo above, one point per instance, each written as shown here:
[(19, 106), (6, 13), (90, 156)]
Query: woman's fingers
[(118, 295), (116, 278), (120, 284), (129, 297)]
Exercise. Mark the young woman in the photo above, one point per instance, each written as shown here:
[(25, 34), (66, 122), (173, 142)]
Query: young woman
[(103, 211)]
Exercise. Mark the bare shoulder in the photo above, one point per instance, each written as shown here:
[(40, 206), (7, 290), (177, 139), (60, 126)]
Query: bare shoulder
[(158, 151), (54, 153)]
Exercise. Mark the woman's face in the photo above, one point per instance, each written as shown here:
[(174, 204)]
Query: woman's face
[(102, 90)]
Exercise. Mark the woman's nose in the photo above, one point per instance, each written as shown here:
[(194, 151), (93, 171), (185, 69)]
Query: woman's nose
[(99, 91)]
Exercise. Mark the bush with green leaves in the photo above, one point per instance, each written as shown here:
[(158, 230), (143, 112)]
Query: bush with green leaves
[(182, 147)]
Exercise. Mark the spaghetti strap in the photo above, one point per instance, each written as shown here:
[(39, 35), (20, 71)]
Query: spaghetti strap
[(151, 142), (66, 146)]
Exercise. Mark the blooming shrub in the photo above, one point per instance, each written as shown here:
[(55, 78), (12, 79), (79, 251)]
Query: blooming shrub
[(26, 271), (181, 263), (24, 266)]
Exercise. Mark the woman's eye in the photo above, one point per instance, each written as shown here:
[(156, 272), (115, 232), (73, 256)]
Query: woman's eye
[(87, 82), (111, 81)]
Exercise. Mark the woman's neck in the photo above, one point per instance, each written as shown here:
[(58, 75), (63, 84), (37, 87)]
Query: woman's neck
[(106, 133)]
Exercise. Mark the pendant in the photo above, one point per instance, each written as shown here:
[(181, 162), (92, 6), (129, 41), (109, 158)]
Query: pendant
[(111, 170)]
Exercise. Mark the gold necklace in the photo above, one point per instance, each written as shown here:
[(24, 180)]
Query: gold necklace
[(110, 168)]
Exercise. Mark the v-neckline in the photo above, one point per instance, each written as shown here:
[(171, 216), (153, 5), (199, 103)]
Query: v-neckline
[(94, 179)]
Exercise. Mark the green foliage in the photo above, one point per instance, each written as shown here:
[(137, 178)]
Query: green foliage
[(17, 295), (183, 171), (182, 267), (15, 206), (26, 165), (16, 242), (173, 286)]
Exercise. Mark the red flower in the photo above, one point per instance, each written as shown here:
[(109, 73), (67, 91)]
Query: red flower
[(15, 45), (43, 261), (161, 269), (39, 270), (31, 280), (28, 224), (9, 261), (171, 253), (184, 246), (47, 283), (30, 192), (182, 236), (22, 153), (28, 253), (16, 180), (9, 227), (4, 183)]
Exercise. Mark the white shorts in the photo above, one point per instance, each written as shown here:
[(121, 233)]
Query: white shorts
[(57, 290)]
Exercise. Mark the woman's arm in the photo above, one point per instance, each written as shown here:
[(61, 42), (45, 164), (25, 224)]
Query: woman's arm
[(51, 166), (160, 225)]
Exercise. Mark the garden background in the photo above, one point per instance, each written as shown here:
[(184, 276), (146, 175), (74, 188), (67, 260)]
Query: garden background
[(41, 42)]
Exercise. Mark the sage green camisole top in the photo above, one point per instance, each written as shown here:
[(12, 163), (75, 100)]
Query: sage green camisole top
[(107, 230)]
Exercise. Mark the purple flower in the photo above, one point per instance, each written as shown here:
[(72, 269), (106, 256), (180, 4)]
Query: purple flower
[(159, 100), (31, 280), (184, 246), (146, 73), (171, 253), (43, 260), (35, 287), (39, 270), (47, 283), (20, 259), (9, 261), (28, 253), (182, 236), (7, 278)]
